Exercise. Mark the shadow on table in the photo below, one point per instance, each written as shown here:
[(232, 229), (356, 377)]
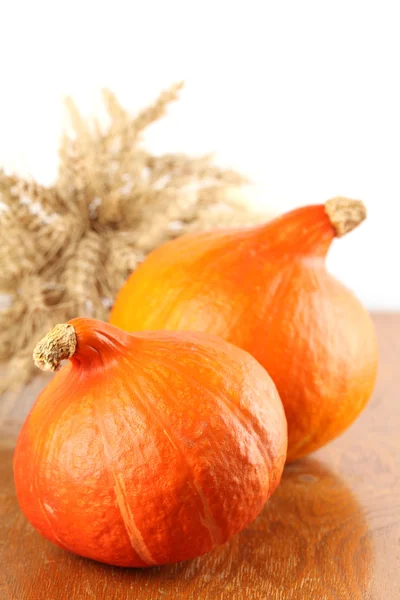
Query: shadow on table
[(310, 541)]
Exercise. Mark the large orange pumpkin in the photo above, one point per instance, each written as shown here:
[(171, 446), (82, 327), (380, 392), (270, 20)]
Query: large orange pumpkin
[(147, 449), (266, 290)]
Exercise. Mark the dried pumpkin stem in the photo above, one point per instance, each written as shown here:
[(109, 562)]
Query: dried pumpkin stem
[(345, 214), (56, 346)]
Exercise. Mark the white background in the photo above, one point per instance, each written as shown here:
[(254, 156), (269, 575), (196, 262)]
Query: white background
[(303, 97)]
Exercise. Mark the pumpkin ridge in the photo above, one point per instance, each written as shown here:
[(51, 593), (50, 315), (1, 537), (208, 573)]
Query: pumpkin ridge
[(210, 522), (46, 518), (135, 537)]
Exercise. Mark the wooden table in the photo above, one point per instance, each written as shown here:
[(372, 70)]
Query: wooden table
[(331, 530)]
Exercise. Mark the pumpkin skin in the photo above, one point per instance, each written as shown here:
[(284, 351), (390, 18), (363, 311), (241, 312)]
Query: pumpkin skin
[(266, 290), (149, 449)]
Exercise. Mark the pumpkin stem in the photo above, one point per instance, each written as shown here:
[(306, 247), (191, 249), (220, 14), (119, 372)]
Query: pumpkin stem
[(345, 214), (57, 345)]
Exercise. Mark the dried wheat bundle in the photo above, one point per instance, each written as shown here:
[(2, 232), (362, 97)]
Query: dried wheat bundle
[(66, 250)]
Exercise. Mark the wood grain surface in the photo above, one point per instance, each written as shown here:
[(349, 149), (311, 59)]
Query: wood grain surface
[(331, 530)]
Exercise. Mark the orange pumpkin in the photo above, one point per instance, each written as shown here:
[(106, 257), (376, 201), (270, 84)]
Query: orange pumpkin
[(150, 448), (266, 290)]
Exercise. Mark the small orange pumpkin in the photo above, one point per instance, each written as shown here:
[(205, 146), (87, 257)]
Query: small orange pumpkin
[(150, 448), (266, 290)]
